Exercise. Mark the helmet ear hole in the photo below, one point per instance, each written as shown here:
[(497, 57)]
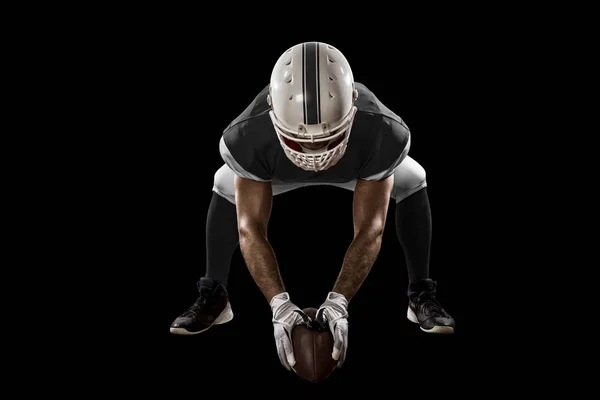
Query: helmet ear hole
[(269, 100), (354, 95)]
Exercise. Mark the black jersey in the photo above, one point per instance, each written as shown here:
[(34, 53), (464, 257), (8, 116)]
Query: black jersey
[(379, 141)]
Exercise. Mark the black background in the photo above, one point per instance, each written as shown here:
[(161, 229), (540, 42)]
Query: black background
[(178, 93)]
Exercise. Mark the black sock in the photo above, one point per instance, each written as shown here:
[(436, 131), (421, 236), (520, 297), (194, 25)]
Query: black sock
[(221, 238), (413, 226)]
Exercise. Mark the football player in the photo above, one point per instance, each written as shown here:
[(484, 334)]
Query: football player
[(312, 125)]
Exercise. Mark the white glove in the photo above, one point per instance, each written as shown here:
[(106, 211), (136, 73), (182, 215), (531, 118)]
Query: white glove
[(334, 311), (285, 318)]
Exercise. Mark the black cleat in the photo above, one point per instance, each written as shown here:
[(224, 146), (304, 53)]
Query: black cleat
[(211, 308), (424, 309)]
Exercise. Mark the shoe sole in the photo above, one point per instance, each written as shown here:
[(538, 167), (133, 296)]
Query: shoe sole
[(444, 330), (225, 316)]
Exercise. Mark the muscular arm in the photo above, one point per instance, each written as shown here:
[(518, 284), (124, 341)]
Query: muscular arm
[(253, 202), (371, 200)]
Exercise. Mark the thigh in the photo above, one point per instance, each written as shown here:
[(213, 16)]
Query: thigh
[(224, 184), (351, 185), (409, 177)]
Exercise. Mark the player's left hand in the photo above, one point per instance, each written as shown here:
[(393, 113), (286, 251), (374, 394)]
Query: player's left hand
[(334, 312)]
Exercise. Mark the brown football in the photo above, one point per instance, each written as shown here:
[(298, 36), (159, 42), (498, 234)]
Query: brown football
[(313, 345)]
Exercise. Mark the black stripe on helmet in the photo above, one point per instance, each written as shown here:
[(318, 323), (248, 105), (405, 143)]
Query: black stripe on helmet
[(310, 83)]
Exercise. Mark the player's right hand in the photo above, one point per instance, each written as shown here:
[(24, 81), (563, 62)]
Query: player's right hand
[(285, 318)]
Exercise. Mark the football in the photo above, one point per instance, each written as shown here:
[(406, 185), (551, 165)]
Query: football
[(313, 344)]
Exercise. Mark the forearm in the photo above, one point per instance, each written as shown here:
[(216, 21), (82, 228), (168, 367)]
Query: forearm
[(262, 263), (359, 260)]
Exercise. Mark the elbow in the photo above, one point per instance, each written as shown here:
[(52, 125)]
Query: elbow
[(248, 231), (372, 233)]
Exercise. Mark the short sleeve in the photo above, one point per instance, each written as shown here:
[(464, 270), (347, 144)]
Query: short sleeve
[(235, 166), (390, 150)]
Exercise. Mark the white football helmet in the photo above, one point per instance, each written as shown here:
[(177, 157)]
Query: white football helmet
[(312, 97)]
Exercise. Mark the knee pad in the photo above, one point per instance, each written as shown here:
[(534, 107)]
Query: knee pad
[(409, 177), (224, 184)]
